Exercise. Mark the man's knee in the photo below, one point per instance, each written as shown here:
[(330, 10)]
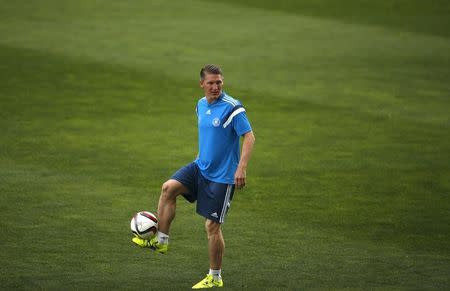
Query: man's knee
[(212, 227), (170, 190)]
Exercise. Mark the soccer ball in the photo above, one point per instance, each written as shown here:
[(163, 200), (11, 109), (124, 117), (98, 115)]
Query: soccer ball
[(144, 224)]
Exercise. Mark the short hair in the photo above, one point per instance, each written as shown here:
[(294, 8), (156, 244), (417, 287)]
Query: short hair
[(210, 69)]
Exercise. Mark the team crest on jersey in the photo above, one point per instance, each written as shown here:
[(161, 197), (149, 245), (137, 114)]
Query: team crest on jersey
[(216, 122)]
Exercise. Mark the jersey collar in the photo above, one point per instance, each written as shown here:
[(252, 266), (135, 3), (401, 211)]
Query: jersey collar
[(217, 100)]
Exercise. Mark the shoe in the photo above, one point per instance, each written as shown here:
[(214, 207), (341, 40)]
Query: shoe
[(153, 243), (208, 282)]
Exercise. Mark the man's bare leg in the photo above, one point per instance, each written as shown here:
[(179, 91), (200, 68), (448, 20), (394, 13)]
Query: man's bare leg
[(216, 244), (167, 205)]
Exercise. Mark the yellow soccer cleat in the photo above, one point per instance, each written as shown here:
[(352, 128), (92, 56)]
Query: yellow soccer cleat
[(153, 243), (208, 282)]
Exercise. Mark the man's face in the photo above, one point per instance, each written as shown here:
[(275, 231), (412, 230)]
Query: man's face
[(212, 86)]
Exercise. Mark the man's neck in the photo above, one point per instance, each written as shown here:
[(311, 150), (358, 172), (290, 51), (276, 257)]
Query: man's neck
[(212, 99)]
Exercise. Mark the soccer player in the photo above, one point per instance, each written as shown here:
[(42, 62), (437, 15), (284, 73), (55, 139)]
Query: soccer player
[(213, 176)]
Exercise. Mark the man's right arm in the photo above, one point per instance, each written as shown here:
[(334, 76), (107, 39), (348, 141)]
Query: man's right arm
[(247, 148)]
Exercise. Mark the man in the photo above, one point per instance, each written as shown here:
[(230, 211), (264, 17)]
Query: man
[(212, 177)]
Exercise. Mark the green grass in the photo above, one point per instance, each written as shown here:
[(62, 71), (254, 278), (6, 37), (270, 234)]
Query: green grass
[(429, 17), (348, 184)]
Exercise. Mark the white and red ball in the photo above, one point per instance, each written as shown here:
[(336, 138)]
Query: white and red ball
[(144, 224)]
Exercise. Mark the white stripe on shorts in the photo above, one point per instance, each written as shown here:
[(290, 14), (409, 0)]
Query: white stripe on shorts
[(225, 203)]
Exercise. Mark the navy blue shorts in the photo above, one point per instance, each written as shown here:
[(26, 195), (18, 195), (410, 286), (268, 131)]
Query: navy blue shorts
[(213, 199)]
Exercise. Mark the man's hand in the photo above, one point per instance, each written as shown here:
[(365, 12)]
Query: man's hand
[(239, 178)]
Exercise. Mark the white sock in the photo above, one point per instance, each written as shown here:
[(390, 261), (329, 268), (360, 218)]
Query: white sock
[(216, 274), (163, 238)]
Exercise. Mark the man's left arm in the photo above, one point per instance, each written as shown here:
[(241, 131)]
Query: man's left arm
[(247, 148)]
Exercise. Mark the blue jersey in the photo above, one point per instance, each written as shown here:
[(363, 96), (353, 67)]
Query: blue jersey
[(220, 125)]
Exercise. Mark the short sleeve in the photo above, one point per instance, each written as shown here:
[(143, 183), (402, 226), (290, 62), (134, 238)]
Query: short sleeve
[(241, 124)]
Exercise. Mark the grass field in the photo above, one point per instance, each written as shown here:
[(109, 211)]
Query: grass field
[(348, 186)]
